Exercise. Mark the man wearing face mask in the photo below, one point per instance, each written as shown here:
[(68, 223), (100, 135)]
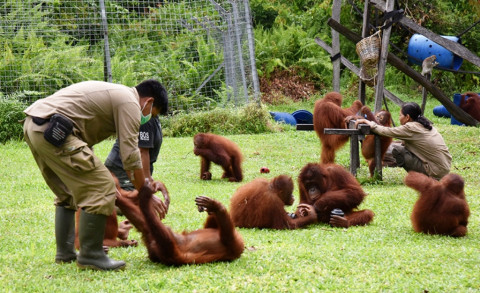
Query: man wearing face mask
[(61, 130), (149, 142)]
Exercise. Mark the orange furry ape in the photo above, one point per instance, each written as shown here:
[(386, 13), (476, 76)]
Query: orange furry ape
[(328, 187), (218, 241), (471, 105), (328, 113), (116, 234), (260, 204), (383, 118), (220, 150), (442, 207)]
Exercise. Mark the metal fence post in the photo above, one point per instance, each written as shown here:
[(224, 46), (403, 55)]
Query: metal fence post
[(251, 47), (107, 65)]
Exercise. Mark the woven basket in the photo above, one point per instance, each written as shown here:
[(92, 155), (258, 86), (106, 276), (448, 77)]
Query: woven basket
[(368, 77), (368, 49)]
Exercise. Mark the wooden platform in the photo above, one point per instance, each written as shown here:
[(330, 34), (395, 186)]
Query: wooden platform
[(357, 134), (305, 127)]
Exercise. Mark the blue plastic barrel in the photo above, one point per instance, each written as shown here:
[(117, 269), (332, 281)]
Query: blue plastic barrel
[(419, 48), (441, 111), (303, 117), (284, 117)]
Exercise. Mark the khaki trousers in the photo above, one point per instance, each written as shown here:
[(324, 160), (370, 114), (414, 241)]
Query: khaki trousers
[(76, 176), (407, 160)]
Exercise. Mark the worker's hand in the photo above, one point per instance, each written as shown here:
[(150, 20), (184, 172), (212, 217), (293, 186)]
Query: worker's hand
[(161, 207), (362, 121)]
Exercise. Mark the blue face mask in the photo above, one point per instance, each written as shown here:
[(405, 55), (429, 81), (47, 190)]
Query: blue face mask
[(145, 119)]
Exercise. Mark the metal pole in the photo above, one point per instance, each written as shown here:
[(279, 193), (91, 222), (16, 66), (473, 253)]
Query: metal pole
[(107, 73), (229, 55), (251, 47), (239, 48)]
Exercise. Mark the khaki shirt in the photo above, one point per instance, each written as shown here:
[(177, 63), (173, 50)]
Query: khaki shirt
[(427, 145), (98, 110)]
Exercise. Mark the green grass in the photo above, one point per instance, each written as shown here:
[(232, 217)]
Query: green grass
[(384, 256)]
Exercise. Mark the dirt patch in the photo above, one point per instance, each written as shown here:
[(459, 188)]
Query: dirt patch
[(285, 85)]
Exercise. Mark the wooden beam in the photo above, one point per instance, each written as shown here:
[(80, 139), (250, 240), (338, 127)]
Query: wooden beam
[(356, 70), (341, 131), (393, 98), (425, 94), (365, 30), (336, 8), (355, 134), (305, 127), (362, 129), (450, 45), (458, 113), (382, 62)]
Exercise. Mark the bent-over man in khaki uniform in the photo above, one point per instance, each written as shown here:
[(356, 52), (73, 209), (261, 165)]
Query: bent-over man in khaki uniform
[(61, 130)]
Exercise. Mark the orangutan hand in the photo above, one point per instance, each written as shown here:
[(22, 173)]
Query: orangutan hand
[(337, 221)]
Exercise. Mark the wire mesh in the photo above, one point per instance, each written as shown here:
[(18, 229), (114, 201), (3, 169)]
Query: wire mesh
[(202, 51)]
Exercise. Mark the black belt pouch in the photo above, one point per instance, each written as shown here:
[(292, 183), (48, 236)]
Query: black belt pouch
[(59, 128)]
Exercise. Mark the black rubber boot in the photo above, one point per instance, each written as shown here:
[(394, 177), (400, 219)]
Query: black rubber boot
[(65, 235), (92, 255)]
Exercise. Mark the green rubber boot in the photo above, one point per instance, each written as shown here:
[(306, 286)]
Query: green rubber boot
[(65, 235), (92, 255)]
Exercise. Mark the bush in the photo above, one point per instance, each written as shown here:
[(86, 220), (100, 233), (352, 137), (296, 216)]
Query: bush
[(251, 119), (11, 112)]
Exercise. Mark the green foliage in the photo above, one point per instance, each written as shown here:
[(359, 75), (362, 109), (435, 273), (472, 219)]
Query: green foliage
[(263, 13), (289, 46), (57, 50), (249, 119), (182, 61), (11, 112), (290, 40), (44, 62), (59, 63)]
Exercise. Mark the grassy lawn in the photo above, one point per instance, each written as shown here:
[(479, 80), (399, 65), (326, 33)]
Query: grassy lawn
[(384, 256)]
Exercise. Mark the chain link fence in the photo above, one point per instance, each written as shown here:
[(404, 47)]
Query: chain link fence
[(202, 51)]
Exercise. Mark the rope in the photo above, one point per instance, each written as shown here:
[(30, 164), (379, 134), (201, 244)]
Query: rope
[(469, 28), (386, 108), (395, 15)]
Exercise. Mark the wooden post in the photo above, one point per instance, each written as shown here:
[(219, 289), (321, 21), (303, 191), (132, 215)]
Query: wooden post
[(425, 94), (378, 158), (354, 134), (354, 153), (337, 6), (383, 60), (366, 21)]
